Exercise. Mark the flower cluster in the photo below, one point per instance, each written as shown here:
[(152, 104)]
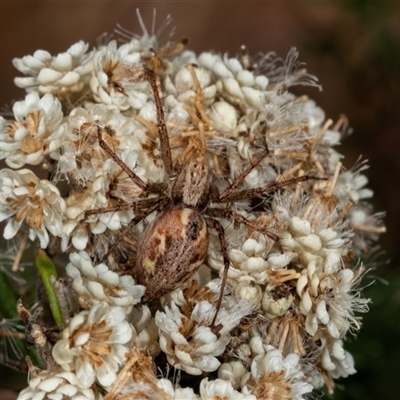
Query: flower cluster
[(90, 124)]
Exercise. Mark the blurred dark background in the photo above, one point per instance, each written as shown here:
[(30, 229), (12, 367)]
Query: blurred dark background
[(353, 47)]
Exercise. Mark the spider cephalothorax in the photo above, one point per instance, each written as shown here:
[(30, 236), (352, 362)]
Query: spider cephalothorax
[(175, 244)]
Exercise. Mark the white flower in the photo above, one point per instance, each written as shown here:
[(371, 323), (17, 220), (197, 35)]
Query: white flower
[(198, 353), (220, 389), (146, 328), (236, 84), (328, 301), (249, 292), (224, 118), (232, 372), (57, 384), (84, 125), (73, 231), (100, 181), (175, 392), (31, 136), (273, 374), (184, 88), (324, 246), (350, 185), (93, 284), (187, 335), (118, 77), (335, 362), (76, 228), (94, 344), (367, 226), (249, 257), (60, 75), (276, 304), (25, 198)]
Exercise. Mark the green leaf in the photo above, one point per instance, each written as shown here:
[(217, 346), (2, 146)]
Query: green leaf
[(8, 298), (47, 269)]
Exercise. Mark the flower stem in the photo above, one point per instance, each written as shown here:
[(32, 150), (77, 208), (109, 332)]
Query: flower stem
[(47, 269)]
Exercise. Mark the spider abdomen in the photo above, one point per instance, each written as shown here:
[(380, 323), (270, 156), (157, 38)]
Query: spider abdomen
[(171, 250)]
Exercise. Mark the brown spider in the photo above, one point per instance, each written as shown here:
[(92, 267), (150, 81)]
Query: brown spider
[(175, 244)]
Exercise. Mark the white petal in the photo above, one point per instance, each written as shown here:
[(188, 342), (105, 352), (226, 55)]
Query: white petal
[(4, 214), (62, 62), (301, 284), (322, 313), (82, 338), (311, 242), (71, 78), (62, 353), (49, 384), (262, 82), (338, 351), (253, 96), (80, 239), (69, 391), (123, 333), (232, 87), (207, 363), (300, 226), (326, 360), (220, 69), (333, 330), (11, 229), (106, 374), (47, 75), (97, 290), (86, 374), (311, 324), (245, 78), (306, 303)]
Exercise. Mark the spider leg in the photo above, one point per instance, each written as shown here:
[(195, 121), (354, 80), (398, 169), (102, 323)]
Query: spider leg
[(232, 215), (19, 366), (162, 128), (224, 248), (258, 192), (137, 205), (131, 224), (135, 178), (227, 192)]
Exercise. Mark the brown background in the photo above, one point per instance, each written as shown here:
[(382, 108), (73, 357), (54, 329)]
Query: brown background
[(353, 47)]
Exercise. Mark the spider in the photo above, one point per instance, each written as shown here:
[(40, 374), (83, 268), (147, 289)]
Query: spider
[(175, 244)]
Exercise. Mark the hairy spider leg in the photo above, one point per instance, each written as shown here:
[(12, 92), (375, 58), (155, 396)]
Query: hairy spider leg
[(258, 192), (137, 205), (243, 175), (135, 178), (224, 248), (131, 224), (162, 128), (233, 215)]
